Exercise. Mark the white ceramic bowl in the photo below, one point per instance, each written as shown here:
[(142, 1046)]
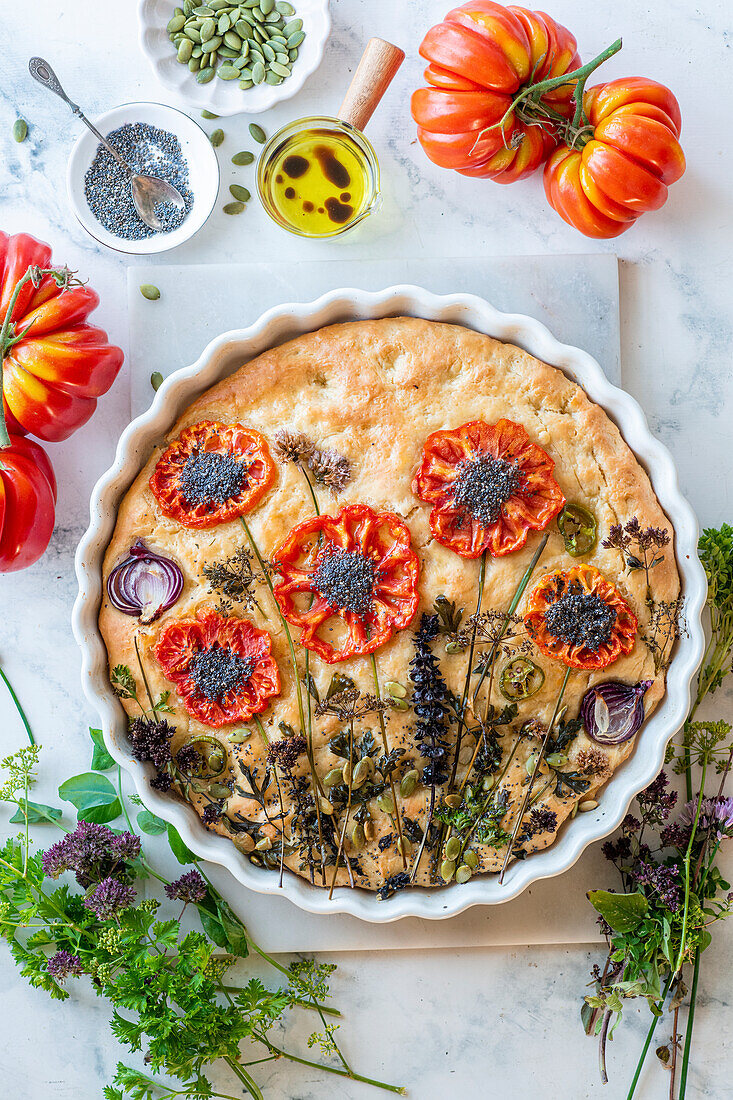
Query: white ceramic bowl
[(225, 97), (221, 358), (203, 174)]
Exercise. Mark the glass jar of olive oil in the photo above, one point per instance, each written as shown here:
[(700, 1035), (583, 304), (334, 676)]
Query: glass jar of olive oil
[(318, 177)]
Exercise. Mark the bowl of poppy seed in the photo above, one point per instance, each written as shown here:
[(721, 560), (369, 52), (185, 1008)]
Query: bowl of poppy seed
[(152, 139), (232, 56)]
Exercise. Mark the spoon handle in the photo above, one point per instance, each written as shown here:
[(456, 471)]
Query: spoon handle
[(41, 71)]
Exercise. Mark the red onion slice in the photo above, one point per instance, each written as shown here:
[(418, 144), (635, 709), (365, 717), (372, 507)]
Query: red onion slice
[(613, 712), (145, 584)]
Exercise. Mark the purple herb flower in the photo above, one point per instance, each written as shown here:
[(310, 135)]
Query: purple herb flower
[(63, 965), (161, 782), (716, 815), (188, 888), (662, 880), (675, 835), (541, 821), (92, 852), (109, 898), (656, 802), (151, 740), (212, 813), (617, 850)]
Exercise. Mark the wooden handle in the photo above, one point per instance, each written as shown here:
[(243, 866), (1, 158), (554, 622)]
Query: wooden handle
[(379, 63)]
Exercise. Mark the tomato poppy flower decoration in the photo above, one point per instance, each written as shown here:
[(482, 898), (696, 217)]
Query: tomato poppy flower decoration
[(359, 568), (489, 485), (580, 618), (222, 667), (212, 473)]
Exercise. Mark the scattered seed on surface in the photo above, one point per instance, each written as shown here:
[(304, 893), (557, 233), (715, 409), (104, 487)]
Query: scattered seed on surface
[(245, 157), (239, 193), (258, 134), (233, 207), (150, 292), (156, 380), (216, 138), (20, 129), (208, 114)]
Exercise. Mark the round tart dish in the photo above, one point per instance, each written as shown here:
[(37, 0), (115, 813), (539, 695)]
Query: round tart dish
[(400, 560)]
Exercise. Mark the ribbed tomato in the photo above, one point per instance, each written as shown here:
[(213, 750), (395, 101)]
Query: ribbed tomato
[(624, 168), (27, 503), (480, 57), (54, 365)]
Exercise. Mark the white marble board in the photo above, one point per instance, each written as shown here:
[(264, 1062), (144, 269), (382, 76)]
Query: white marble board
[(577, 298)]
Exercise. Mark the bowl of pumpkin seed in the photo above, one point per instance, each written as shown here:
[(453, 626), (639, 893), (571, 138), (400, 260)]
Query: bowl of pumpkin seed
[(232, 56)]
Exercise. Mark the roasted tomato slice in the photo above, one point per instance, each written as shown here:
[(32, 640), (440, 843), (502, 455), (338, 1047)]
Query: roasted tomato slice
[(212, 474), (349, 582), (580, 618), (222, 667), (489, 485)]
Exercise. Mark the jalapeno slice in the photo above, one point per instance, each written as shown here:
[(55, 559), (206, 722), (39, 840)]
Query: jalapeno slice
[(520, 679), (578, 528), (202, 757)]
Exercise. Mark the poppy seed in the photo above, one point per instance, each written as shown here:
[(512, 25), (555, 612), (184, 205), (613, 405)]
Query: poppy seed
[(483, 485), (218, 671), (209, 477), (346, 579), (580, 619)]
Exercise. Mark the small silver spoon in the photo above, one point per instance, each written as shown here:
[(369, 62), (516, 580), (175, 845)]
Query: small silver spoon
[(147, 191)]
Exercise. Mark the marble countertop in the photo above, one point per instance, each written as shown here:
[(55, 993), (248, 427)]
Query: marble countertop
[(467, 1022)]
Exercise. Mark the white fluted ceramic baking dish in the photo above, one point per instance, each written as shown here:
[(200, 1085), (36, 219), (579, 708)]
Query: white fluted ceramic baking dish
[(224, 355)]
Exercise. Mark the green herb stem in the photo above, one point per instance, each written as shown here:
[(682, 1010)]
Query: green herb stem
[(399, 1089), (383, 731), (4, 678), (469, 671), (649, 1036), (688, 1030)]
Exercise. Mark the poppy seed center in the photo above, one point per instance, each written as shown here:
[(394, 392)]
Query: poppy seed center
[(209, 477), (218, 671), (346, 579), (483, 485), (580, 619)]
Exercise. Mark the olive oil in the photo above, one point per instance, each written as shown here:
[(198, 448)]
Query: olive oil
[(319, 180)]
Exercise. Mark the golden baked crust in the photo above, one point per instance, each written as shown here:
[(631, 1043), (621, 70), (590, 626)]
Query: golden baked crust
[(374, 390)]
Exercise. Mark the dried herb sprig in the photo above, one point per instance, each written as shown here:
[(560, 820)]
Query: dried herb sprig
[(234, 579)]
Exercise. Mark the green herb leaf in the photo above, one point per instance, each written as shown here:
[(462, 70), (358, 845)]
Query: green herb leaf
[(35, 813), (93, 796), (150, 824), (179, 849), (101, 759), (623, 912)]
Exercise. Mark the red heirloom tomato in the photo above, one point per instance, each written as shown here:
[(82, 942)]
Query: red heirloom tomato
[(55, 366), (27, 503), (580, 618), (358, 567), (222, 668), (623, 166), (480, 57), (489, 485), (212, 473)]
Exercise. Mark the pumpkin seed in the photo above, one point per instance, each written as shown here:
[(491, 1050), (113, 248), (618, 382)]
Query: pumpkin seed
[(452, 848), (488, 782), (224, 24), (194, 64), (395, 689), (232, 39), (589, 804), (150, 292), (453, 801), (243, 28), (218, 790), (530, 763), (259, 36), (471, 859), (197, 52), (463, 873), (293, 26), (333, 778), (250, 4), (266, 6), (203, 9), (557, 759), (258, 15), (263, 845), (398, 704), (228, 72), (217, 5), (233, 207), (245, 157), (241, 63), (325, 805), (185, 50), (295, 39), (404, 847), (212, 45), (258, 72), (208, 114), (193, 34), (227, 52), (292, 54), (358, 837), (237, 737), (188, 6), (156, 380), (385, 803), (361, 774), (268, 51), (244, 84), (256, 859), (20, 130), (284, 8), (447, 870), (409, 783), (177, 23), (208, 30), (216, 138)]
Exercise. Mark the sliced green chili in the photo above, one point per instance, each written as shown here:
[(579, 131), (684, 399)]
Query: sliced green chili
[(578, 528), (520, 679)]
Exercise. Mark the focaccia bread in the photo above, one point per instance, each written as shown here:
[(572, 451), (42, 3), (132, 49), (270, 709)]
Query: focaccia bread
[(357, 403)]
